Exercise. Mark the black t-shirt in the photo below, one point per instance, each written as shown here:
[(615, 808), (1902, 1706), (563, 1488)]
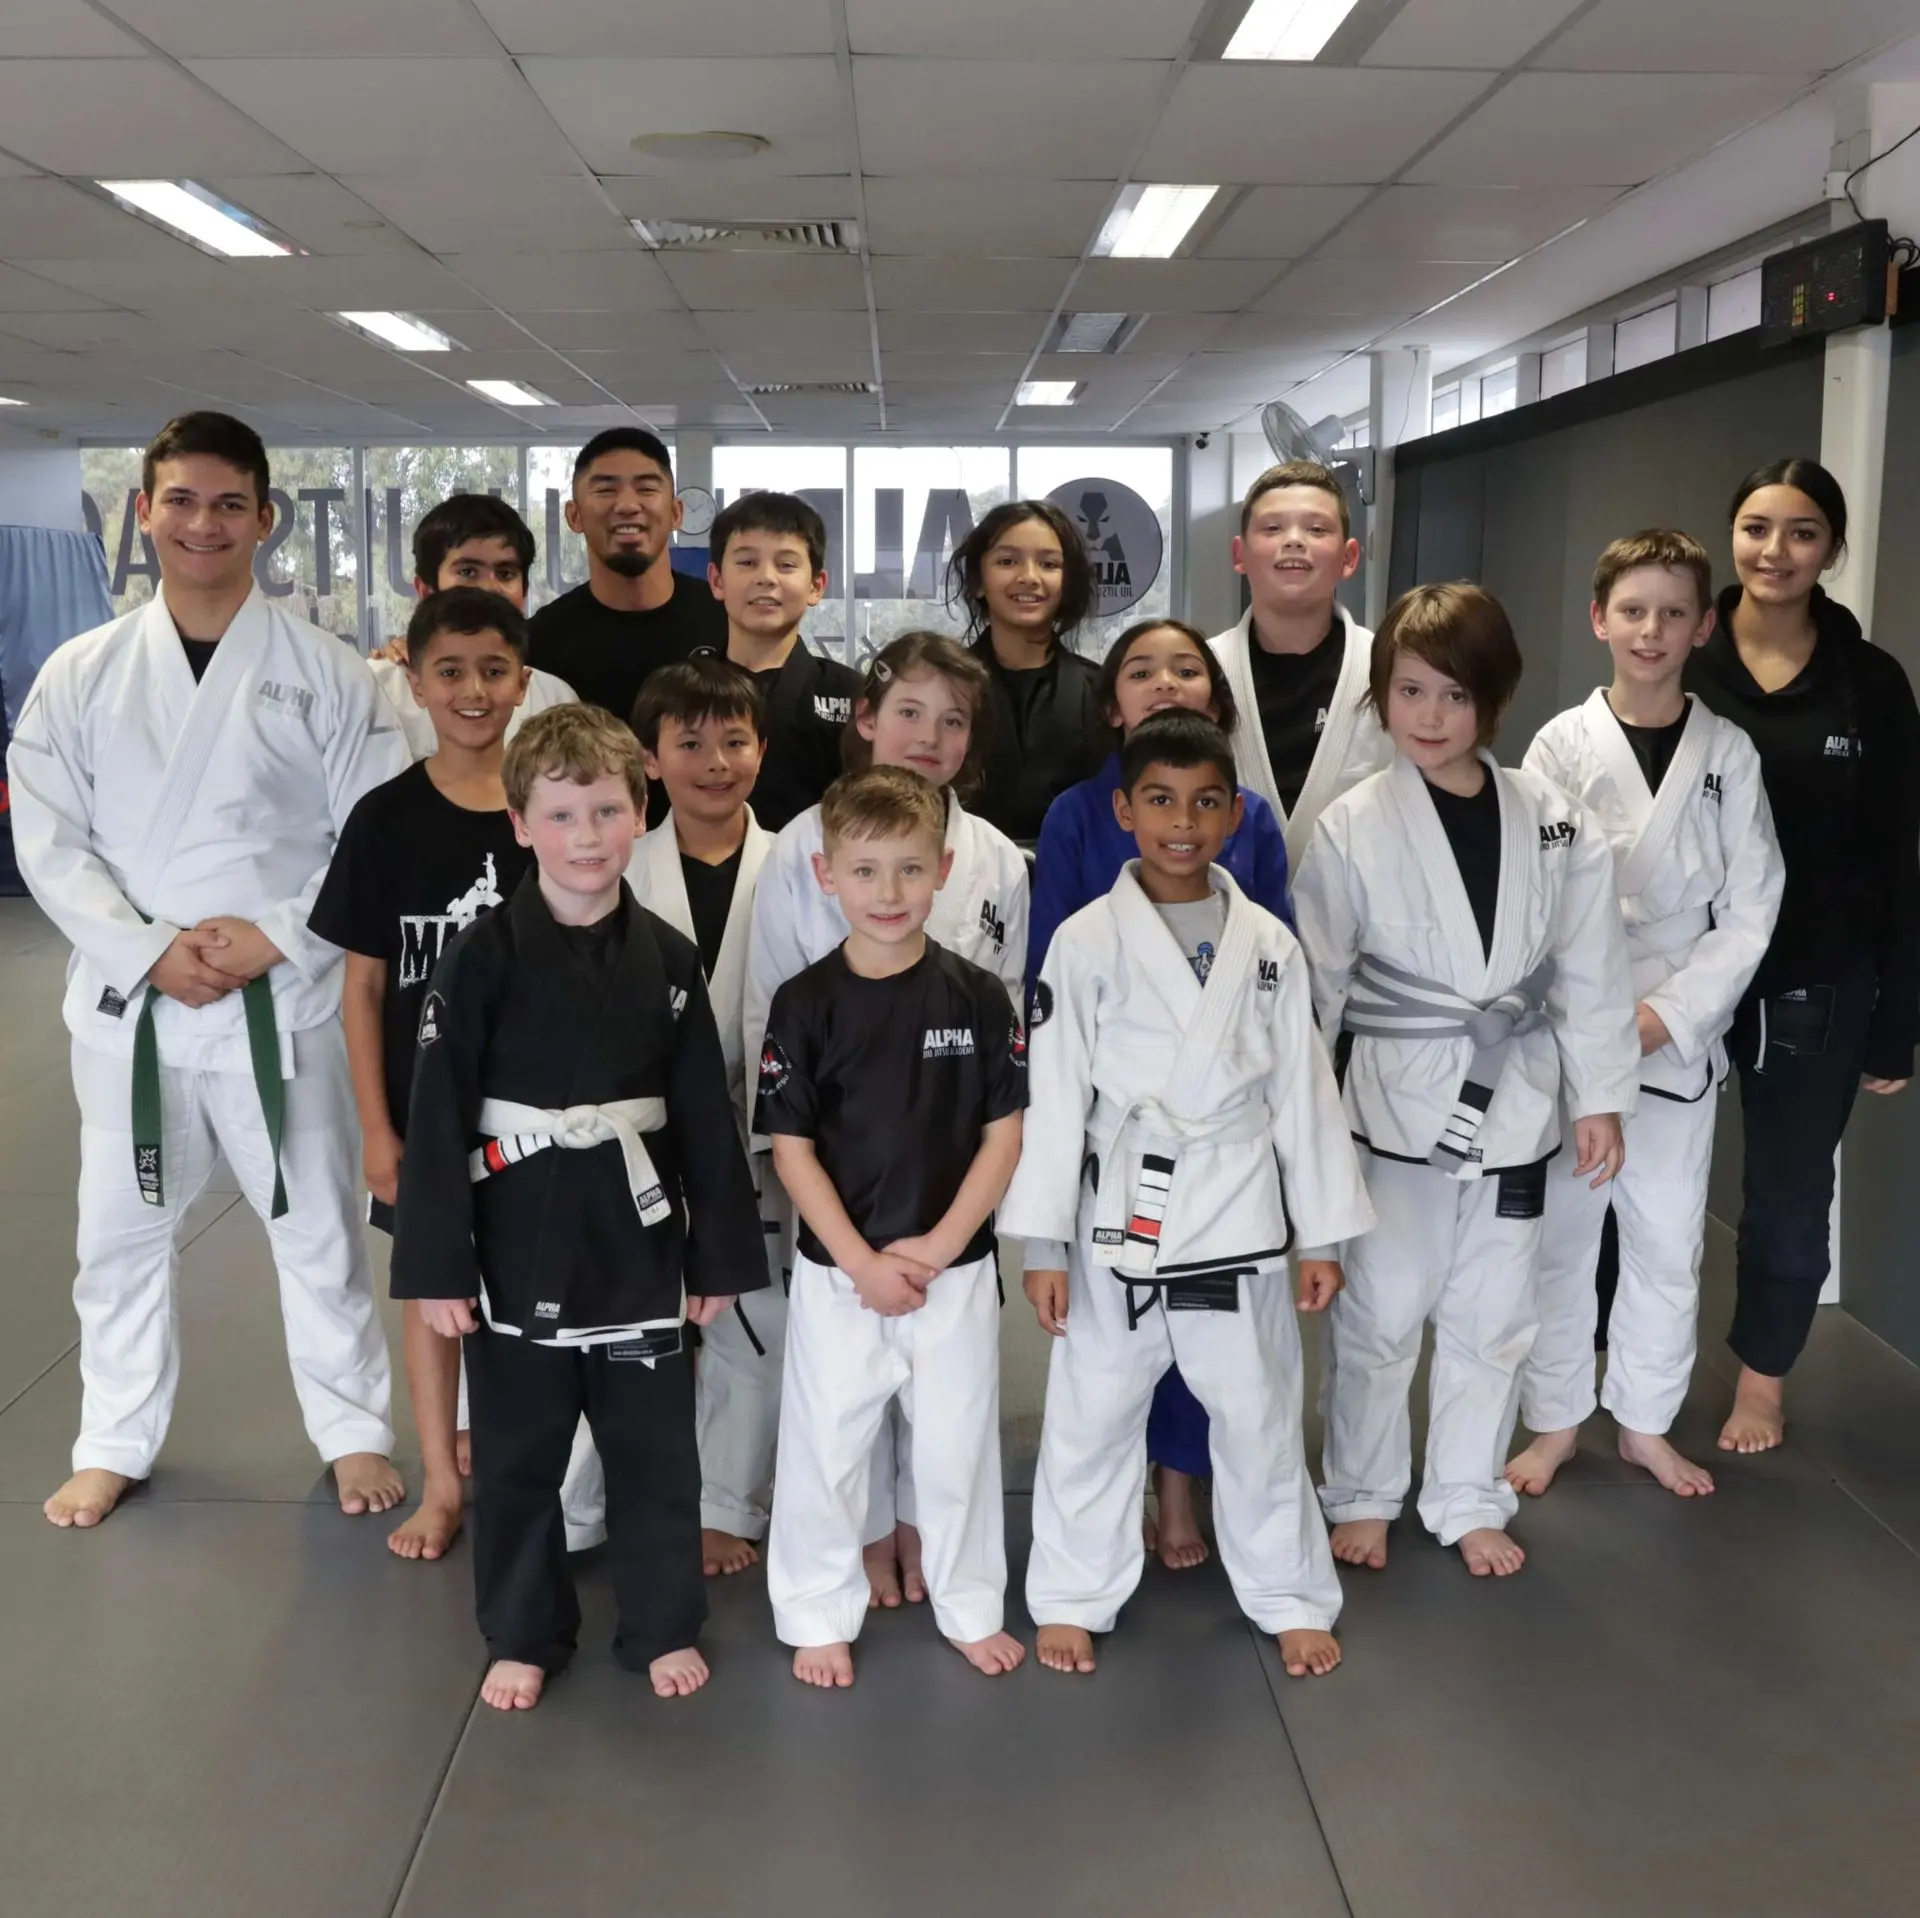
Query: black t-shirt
[(710, 899), (894, 1081), (199, 654), (411, 870), (1472, 827), (1654, 746), (596, 946), (605, 654), (1295, 693)]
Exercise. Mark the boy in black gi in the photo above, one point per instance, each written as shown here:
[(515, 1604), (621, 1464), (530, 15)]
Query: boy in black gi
[(574, 1171)]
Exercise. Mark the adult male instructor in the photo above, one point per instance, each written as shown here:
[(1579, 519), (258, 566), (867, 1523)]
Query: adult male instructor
[(180, 777), (634, 612)]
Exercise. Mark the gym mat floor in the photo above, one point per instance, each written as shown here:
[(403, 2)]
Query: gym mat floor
[(232, 1702)]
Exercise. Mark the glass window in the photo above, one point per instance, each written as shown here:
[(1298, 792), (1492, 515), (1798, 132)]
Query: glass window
[(1446, 408), (1733, 305), (1645, 337), (1469, 401), (1563, 367), (403, 483), (1121, 497), (819, 475), (1499, 390)]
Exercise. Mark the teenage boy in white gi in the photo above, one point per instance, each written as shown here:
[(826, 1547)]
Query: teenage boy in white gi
[(1678, 793), (179, 778)]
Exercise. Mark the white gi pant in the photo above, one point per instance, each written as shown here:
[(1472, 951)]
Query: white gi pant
[(1660, 1203), (126, 1293), (1245, 1369), (844, 1364), (1439, 1251)]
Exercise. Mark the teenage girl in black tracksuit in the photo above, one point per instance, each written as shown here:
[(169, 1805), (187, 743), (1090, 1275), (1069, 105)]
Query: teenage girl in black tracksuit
[(1836, 1002)]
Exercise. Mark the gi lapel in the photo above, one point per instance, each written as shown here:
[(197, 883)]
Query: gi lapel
[(656, 877), (1235, 652), (1335, 743), (786, 700), (1433, 859), (727, 987), (1512, 956), (1677, 789)]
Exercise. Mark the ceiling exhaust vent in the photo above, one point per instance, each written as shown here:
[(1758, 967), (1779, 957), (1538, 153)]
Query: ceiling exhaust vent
[(750, 236), (762, 388)]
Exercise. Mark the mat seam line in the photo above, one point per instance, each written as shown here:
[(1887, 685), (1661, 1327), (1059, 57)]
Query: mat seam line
[(418, 1845), (1300, 1771)]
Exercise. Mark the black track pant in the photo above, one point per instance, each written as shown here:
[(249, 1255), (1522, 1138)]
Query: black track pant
[(1799, 1060), (526, 1400)]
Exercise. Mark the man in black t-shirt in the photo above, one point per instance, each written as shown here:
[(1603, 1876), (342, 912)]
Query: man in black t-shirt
[(891, 1083), (634, 612)]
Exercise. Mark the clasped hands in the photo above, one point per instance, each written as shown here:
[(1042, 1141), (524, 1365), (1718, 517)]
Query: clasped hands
[(212, 959)]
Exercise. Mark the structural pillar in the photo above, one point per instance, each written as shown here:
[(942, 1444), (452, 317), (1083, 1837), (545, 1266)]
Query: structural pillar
[(1400, 407)]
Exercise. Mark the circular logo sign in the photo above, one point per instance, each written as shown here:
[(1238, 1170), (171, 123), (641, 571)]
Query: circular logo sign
[(1123, 539)]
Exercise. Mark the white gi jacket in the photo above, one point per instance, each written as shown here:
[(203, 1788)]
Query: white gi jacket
[(1697, 868), (1351, 746), (1380, 879), (143, 804), (543, 690), (1129, 1055)]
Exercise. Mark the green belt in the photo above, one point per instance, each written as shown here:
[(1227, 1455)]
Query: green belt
[(263, 1043)]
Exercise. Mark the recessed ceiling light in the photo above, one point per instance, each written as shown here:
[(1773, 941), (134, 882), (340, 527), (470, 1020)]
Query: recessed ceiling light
[(1047, 393), (1150, 221), (1091, 332), (510, 393), (1286, 29), (200, 216), (405, 330), (700, 146)]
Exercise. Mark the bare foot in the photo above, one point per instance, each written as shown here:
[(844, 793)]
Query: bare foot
[(1000, 1653), (512, 1687), (1758, 1421), (433, 1528), (883, 1574), (675, 1674), (1362, 1541), (1065, 1648), (1180, 1543), (906, 1544), (1309, 1653), (87, 1497), (463, 1453), (1679, 1475), (824, 1665), (366, 1483), (722, 1554), (1532, 1471), (1490, 1553)]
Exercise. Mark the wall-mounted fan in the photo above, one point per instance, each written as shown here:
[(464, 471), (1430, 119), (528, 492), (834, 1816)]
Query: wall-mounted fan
[(1293, 439)]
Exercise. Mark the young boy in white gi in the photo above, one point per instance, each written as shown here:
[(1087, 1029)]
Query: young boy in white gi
[(892, 1081), (1677, 791), (178, 777), (1185, 1127), (1461, 925)]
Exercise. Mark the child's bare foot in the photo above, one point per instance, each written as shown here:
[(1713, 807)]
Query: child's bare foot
[(1309, 1653), (824, 1665), (1000, 1653), (366, 1482), (883, 1573), (87, 1497), (433, 1528), (1679, 1475), (1361, 1541), (1532, 1471), (1180, 1543), (675, 1674), (906, 1545), (1490, 1553), (722, 1554), (1758, 1421), (1065, 1648), (512, 1687), (463, 1453)]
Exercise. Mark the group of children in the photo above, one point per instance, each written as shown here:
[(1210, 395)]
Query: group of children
[(614, 1084)]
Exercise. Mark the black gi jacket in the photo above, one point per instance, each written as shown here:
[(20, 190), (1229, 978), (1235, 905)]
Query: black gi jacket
[(514, 1014), (808, 705), (1054, 739)]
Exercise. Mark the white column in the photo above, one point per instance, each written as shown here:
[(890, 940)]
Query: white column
[(1212, 600), (1399, 407)]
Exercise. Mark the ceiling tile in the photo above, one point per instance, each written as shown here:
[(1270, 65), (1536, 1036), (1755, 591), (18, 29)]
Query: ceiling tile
[(58, 29), (100, 326), (1483, 224), (1598, 129), (314, 211), (22, 292), (1467, 33), (820, 329), (1280, 223), (1254, 123), (1184, 286), (287, 29), (1383, 290), (127, 119), (796, 363), (1034, 219), (188, 275), (43, 219), (1710, 36), (806, 196), (603, 104), (561, 282), (1284, 331), (918, 370), (766, 282), (586, 333), (1175, 333), (380, 116), (908, 332), (660, 29), (1124, 30), (444, 214), (335, 283), (984, 286), (1068, 119)]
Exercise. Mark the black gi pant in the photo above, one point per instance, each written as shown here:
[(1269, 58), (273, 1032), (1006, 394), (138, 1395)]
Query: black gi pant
[(1800, 1057), (525, 1401)]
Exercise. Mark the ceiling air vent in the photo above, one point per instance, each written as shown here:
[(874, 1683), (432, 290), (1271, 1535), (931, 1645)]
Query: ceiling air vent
[(750, 236), (761, 388)]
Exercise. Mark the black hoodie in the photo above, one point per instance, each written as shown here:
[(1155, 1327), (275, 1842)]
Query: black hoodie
[(1840, 754)]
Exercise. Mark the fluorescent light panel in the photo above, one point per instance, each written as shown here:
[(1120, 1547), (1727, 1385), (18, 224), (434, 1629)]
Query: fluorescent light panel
[(404, 330), (1286, 29), (1047, 393), (4, 401), (1150, 221), (199, 215), (509, 393)]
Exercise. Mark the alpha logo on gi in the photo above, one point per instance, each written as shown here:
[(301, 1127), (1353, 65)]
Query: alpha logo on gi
[(1843, 746), (1557, 837), (288, 698), (431, 1014), (835, 708), (993, 925), (948, 1042), (424, 936), (1269, 979), (1712, 789)]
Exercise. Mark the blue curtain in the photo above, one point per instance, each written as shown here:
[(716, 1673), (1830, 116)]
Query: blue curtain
[(52, 585)]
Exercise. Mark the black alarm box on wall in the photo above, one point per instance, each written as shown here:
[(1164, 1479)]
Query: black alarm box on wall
[(1838, 281)]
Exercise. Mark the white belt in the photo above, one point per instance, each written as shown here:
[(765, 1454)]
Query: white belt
[(516, 1132)]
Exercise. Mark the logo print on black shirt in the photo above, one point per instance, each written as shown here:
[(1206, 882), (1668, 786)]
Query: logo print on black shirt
[(948, 1042), (424, 936), (775, 1067)]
